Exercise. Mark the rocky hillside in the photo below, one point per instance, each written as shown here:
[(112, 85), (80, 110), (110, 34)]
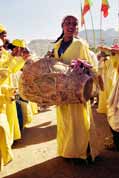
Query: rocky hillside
[(108, 36), (40, 46)]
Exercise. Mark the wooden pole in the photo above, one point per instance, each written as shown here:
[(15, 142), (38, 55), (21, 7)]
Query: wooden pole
[(101, 39), (86, 31), (84, 23), (118, 17), (93, 29)]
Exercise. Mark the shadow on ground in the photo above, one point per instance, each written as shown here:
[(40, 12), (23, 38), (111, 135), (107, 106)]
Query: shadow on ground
[(107, 167), (40, 133)]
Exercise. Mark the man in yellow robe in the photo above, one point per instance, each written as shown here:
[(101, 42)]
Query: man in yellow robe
[(5, 137)]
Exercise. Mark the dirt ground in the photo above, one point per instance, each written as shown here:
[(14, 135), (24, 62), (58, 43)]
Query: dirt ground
[(35, 155)]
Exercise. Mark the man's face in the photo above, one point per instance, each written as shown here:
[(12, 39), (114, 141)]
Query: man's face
[(3, 35)]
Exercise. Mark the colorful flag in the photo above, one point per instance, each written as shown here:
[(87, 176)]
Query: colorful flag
[(86, 7), (105, 7)]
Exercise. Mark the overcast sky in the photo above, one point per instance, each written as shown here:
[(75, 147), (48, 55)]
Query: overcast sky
[(36, 19)]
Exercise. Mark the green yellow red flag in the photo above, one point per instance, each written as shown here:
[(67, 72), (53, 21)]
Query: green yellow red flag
[(105, 7), (85, 9), (86, 6)]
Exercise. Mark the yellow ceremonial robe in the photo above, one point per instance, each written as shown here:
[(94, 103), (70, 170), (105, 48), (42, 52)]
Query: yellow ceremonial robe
[(109, 75), (74, 121), (5, 140), (113, 100), (13, 64)]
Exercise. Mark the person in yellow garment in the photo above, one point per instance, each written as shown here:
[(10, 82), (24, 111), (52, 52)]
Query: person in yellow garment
[(3, 36), (8, 89), (74, 121), (102, 107), (106, 68), (16, 63), (3, 33), (113, 104), (5, 140)]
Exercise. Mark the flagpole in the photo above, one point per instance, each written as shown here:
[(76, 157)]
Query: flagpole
[(86, 31), (84, 24), (93, 29), (104, 12), (118, 16), (101, 27)]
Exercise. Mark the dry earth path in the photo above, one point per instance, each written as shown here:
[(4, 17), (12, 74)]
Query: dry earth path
[(35, 155)]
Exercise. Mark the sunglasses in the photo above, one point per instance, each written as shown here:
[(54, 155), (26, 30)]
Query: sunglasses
[(68, 23), (3, 33)]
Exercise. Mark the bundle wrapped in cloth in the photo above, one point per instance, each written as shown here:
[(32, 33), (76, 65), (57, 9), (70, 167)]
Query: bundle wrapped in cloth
[(52, 82)]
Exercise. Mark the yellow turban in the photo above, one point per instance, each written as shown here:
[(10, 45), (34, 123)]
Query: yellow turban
[(2, 28), (19, 43)]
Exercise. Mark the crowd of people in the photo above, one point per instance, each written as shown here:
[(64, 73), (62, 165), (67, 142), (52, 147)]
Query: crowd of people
[(15, 112), (76, 132)]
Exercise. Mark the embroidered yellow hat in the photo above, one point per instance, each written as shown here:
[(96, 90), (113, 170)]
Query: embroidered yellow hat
[(2, 28), (19, 43)]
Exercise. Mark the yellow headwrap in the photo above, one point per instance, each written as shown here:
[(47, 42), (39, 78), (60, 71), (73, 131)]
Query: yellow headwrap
[(2, 28), (19, 43)]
